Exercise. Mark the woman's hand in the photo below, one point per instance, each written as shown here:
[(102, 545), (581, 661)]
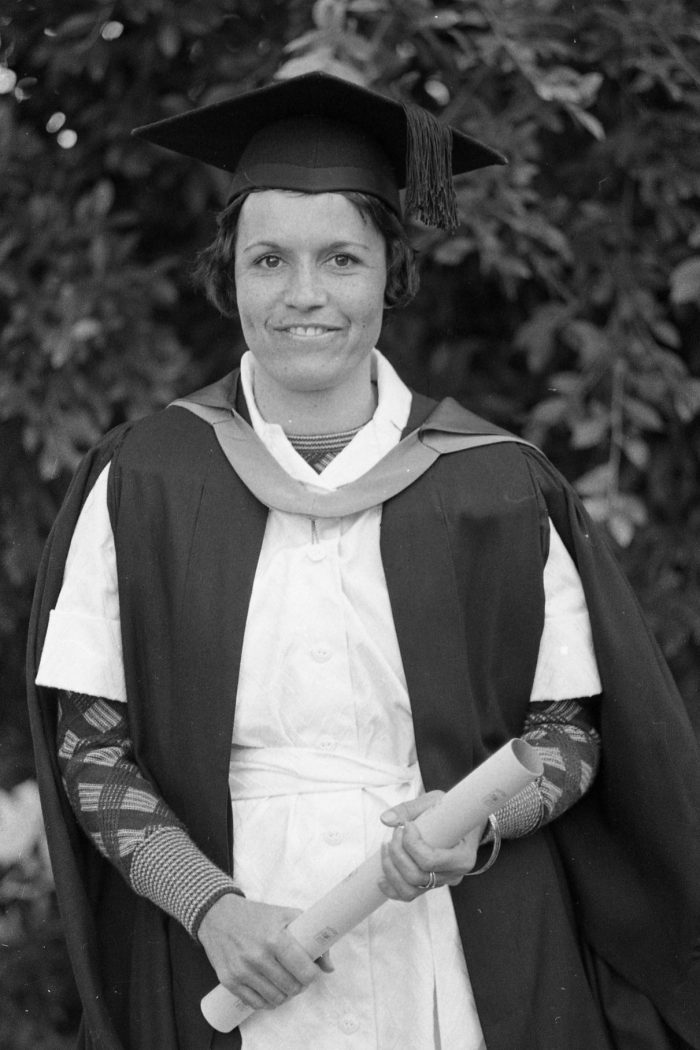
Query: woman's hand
[(407, 860), (253, 953)]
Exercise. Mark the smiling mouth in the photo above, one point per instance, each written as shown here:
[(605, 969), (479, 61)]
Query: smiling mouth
[(307, 331)]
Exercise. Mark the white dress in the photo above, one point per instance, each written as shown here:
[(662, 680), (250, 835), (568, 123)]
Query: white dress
[(323, 743)]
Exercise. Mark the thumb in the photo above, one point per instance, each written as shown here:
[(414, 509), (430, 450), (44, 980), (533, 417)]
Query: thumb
[(287, 915), (407, 811), (325, 963)]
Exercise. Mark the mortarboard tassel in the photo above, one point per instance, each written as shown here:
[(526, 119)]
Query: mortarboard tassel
[(430, 194)]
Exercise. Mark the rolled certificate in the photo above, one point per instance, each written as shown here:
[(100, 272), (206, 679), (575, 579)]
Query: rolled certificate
[(465, 807)]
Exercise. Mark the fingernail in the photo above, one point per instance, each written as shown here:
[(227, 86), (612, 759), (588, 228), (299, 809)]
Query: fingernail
[(388, 817)]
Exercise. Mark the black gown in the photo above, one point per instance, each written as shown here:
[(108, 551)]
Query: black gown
[(584, 936)]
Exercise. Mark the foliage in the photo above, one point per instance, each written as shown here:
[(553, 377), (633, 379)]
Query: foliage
[(567, 306), (39, 1005)]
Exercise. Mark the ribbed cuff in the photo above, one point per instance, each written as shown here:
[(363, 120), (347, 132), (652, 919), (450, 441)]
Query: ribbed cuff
[(175, 875), (523, 813)]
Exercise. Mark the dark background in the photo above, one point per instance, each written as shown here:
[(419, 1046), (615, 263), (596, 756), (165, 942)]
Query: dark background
[(566, 308)]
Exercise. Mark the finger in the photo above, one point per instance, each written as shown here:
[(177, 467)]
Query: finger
[(451, 865), (248, 996), (272, 980), (282, 981), (263, 969), (459, 858), (426, 857), (429, 858), (406, 811), (295, 960), (287, 916), (262, 994), (393, 884), (412, 871)]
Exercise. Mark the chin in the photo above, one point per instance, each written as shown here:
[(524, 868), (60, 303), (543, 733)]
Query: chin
[(310, 384), (313, 374)]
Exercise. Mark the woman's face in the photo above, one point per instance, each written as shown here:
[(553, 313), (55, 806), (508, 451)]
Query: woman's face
[(310, 276)]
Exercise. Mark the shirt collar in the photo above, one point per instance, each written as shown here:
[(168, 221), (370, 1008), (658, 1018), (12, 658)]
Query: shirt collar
[(372, 442), (393, 396)]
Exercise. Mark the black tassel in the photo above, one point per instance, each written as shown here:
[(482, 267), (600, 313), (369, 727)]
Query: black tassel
[(430, 194)]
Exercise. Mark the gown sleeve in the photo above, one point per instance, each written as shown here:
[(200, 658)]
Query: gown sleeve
[(82, 650)]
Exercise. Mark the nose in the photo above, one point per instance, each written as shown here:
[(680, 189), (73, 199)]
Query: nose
[(305, 289)]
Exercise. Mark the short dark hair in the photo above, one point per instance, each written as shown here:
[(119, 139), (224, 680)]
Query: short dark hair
[(214, 266)]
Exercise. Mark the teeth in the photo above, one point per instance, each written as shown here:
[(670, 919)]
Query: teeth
[(311, 329)]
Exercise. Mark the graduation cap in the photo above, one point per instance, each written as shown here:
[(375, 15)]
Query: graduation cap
[(317, 133)]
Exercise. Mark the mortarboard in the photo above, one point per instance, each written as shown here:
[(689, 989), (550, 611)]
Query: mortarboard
[(318, 133)]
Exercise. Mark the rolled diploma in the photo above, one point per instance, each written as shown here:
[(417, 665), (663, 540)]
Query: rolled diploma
[(465, 807)]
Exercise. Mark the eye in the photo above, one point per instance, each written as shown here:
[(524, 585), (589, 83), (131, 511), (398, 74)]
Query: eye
[(342, 260), (269, 262)]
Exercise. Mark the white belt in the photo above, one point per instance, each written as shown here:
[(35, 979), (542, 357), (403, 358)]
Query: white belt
[(265, 771)]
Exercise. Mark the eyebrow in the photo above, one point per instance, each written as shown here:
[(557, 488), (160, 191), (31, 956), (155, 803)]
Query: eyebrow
[(334, 246)]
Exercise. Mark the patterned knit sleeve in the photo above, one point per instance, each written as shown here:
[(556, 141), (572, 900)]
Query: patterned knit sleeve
[(125, 818), (563, 733)]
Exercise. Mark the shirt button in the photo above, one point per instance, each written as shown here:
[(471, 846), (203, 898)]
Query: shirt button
[(348, 1023), (316, 552), (327, 743), (321, 654), (333, 838)]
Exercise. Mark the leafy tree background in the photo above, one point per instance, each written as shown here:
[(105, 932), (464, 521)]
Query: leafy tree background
[(567, 307)]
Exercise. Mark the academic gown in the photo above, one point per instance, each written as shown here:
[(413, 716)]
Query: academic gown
[(582, 936)]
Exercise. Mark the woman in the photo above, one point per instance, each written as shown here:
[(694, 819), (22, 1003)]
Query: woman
[(278, 648)]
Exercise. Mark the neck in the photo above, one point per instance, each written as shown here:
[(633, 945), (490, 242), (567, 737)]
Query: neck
[(316, 411)]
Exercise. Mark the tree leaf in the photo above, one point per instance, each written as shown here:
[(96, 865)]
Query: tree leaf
[(643, 414), (687, 399), (589, 432), (637, 452), (587, 121), (328, 14), (685, 281), (588, 340), (77, 25), (597, 481), (550, 411), (621, 528), (169, 40), (566, 85), (444, 19), (537, 336), (667, 333)]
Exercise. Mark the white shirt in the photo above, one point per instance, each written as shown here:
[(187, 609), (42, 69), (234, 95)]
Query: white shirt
[(323, 738), (82, 650)]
